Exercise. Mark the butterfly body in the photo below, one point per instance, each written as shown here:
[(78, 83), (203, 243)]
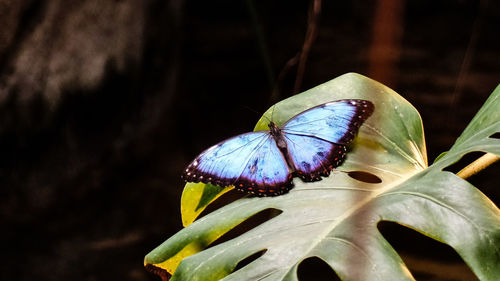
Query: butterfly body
[(277, 135), (309, 146)]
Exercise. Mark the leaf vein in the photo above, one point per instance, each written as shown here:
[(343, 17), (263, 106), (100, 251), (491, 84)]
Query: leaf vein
[(396, 147), (353, 245)]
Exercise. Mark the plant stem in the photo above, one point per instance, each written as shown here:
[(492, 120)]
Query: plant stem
[(478, 165)]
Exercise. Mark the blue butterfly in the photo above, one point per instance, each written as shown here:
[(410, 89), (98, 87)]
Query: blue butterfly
[(309, 146)]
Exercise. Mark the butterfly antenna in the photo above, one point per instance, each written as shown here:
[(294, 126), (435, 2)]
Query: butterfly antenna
[(260, 114), (250, 109), (254, 111)]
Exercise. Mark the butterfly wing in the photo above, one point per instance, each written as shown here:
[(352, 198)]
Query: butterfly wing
[(336, 122), (312, 157), (266, 171), (251, 162), (316, 138)]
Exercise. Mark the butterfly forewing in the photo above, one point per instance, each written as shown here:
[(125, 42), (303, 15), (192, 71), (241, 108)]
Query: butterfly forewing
[(251, 162), (223, 163), (336, 122)]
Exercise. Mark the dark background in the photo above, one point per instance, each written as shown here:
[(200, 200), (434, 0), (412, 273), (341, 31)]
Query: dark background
[(103, 103)]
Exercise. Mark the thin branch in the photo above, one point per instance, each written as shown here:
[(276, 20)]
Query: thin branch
[(289, 64), (312, 26), (480, 164)]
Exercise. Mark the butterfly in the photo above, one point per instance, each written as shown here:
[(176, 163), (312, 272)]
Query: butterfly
[(309, 146)]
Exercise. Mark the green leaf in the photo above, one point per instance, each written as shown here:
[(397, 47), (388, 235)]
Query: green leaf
[(196, 197), (477, 135), (336, 219)]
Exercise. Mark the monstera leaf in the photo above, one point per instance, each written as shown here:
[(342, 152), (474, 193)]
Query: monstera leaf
[(336, 219)]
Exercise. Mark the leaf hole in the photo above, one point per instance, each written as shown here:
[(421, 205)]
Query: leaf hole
[(364, 176), (495, 135), (250, 223), (464, 161), (316, 269), (246, 261), (426, 258)]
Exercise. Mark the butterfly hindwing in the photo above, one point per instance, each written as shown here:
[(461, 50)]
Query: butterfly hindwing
[(336, 122), (266, 171), (251, 162), (313, 157)]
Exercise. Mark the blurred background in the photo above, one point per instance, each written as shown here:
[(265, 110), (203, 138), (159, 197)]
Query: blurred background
[(103, 104)]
